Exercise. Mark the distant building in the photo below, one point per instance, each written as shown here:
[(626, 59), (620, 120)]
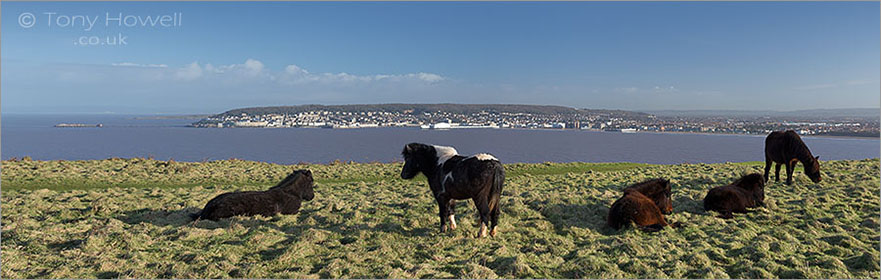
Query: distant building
[(251, 124)]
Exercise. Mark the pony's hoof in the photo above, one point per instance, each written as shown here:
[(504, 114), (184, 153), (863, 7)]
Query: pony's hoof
[(492, 233), (482, 231)]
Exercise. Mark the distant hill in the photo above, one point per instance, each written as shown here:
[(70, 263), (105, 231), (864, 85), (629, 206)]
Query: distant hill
[(812, 113), (421, 108)]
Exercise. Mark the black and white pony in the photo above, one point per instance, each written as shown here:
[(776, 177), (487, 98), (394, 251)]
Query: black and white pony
[(454, 177)]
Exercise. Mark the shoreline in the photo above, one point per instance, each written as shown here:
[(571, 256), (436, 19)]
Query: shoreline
[(763, 135), (552, 129)]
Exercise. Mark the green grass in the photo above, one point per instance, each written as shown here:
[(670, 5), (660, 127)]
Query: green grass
[(127, 218)]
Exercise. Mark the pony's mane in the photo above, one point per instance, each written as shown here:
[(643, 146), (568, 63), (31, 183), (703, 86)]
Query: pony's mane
[(287, 184), (799, 147), (444, 153), (648, 188), (749, 180)]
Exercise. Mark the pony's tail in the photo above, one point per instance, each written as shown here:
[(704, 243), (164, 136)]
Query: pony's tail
[(495, 192)]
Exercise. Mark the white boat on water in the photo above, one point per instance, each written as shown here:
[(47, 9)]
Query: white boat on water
[(444, 125), (628, 130)]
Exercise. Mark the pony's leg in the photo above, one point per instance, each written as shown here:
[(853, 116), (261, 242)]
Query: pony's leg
[(442, 202), (483, 208), (776, 172), (767, 168), (494, 220), (659, 225), (451, 208), (652, 228), (790, 166)]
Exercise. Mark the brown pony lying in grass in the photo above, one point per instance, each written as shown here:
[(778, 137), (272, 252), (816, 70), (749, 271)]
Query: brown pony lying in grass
[(644, 204), (284, 198), (746, 192)]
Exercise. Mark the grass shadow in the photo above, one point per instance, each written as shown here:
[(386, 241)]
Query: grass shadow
[(159, 217), (345, 229), (688, 205), (591, 215)]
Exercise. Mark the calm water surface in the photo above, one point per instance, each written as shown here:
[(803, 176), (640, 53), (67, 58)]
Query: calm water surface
[(124, 136)]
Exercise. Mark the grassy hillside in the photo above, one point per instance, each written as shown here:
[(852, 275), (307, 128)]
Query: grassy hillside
[(128, 218)]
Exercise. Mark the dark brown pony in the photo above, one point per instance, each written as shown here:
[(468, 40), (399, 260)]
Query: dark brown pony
[(746, 192), (645, 204), (284, 198), (786, 147)]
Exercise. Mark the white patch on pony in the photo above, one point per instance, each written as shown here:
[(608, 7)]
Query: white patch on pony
[(482, 232), (452, 221), (485, 157), (444, 153)]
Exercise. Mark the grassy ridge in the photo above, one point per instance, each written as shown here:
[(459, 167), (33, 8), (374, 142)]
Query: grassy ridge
[(128, 218)]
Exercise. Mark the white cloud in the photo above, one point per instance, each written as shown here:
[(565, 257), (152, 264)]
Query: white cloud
[(627, 89), (431, 78), (253, 65), (668, 89), (130, 64), (255, 70), (296, 70), (654, 89), (191, 71)]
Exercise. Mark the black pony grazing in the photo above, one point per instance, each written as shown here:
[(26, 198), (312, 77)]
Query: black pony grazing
[(283, 198), (746, 192), (645, 204), (451, 176), (786, 147)]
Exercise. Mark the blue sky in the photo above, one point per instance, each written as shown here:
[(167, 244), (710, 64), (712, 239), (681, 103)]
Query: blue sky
[(627, 55)]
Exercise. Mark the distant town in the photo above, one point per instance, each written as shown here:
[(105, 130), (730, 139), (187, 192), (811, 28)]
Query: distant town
[(464, 116)]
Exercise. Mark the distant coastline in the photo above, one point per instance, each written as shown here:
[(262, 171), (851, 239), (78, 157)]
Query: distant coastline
[(858, 122)]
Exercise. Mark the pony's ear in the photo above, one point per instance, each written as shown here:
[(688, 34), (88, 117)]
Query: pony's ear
[(817, 158), (408, 149)]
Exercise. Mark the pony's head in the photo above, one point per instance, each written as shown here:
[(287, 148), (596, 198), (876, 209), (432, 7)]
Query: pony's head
[(755, 184), (659, 191), (417, 158), (298, 183), (813, 169)]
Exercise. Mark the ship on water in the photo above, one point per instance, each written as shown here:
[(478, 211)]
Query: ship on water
[(446, 125), (78, 125)]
